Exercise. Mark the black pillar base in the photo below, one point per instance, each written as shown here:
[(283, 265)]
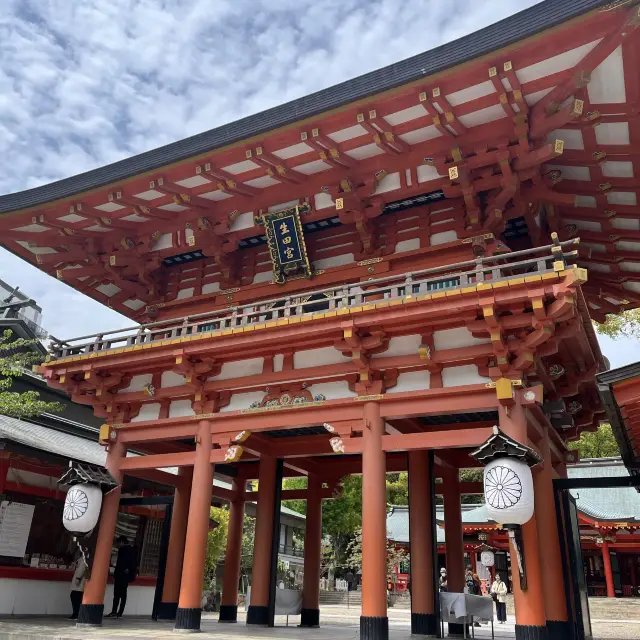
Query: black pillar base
[(310, 618), (167, 610), (457, 629), (374, 628), (90, 614), (532, 632), (425, 624), (558, 629), (228, 613), (258, 615), (188, 620)]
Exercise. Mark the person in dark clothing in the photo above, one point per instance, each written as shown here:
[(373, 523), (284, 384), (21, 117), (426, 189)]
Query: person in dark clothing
[(350, 578), (125, 572)]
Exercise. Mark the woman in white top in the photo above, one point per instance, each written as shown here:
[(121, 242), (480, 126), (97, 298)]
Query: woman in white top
[(77, 586), (499, 591)]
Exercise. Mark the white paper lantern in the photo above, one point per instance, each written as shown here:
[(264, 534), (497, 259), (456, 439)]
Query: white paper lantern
[(82, 508), (487, 558), (508, 491)]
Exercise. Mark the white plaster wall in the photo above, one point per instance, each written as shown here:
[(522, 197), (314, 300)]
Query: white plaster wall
[(172, 379), (332, 390), (323, 200), (278, 362), (412, 381), (443, 237), (240, 368), (407, 245), (455, 338), (211, 287), (149, 411), (137, 383), (165, 241), (318, 357), (263, 276), (401, 346), (334, 261), (388, 183), (463, 375), (180, 408), (185, 293), (243, 221), (241, 401), (47, 597)]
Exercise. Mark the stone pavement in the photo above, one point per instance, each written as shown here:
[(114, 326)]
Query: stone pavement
[(338, 623)]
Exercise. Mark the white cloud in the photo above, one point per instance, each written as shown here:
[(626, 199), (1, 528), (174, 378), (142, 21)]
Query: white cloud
[(83, 84)]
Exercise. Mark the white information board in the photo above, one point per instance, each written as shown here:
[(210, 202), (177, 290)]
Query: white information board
[(15, 524)]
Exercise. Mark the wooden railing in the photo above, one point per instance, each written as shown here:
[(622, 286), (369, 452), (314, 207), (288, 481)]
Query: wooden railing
[(452, 276)]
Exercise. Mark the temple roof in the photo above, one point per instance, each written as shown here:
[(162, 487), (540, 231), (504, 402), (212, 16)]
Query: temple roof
[(524, 24), (528, 124)]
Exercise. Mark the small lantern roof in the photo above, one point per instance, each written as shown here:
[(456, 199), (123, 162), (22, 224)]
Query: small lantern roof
[(90, 474), (500, 445)]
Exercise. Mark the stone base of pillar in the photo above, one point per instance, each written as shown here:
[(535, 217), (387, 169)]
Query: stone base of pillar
[(188, 620), (228, 613), (374, 628), (425, 624), (558, 629), (258, 615), (532, 632), (310, 618), (90, 615), (167, 610)]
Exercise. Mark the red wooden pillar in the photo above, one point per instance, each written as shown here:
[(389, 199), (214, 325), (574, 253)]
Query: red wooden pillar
[(529, 604), (531, 619), (374, 623), (312, 552), (553, 587), (233, 555), (608, 571), (189, 612), (261, 577), (175, 552), (423, 618), (453, 537), (92, 606)]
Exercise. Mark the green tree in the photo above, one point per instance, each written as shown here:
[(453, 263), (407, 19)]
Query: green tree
[(597, 444), (295, 483), (216, 544), (396, 556), (342, 517), (246, 559), (398, 488), (625, 324), (471, 475), (14, 359)]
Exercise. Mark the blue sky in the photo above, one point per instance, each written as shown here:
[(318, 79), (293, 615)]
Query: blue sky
[(86, 83)]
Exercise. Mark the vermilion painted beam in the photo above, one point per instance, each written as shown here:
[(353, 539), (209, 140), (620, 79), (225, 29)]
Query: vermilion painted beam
[(437, 439), (158, 461)]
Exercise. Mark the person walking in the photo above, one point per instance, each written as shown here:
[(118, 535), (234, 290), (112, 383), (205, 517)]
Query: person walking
[(443, 579), (350, 578), (499, 595), (77, 587), (125, 572)]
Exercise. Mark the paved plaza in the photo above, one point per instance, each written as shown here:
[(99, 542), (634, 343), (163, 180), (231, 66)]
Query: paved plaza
[(338, 623)]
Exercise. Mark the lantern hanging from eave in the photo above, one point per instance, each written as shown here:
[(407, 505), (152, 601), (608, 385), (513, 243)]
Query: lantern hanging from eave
[(82, 508), (508, 483), (487, 558), (508, 491)]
